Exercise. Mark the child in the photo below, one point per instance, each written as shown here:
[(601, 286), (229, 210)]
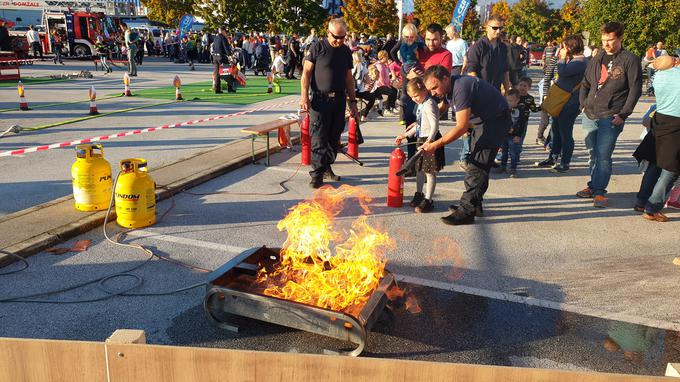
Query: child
[(102, 49), (512, 146), (527, 104), (410, 49), (426, 128), (279, 65)]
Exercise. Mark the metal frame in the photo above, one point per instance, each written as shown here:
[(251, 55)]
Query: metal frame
[(222, 297)]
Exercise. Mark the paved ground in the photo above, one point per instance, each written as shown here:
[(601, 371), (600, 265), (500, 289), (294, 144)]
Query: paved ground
[(537, 240)]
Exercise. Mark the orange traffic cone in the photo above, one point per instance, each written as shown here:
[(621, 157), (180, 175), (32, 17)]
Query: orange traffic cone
[(93, 101), (23, 104), (178, 84), (126, 82)]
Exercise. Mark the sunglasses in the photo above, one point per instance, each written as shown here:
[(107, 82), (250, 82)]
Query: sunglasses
[(496, 28), (337, 37)]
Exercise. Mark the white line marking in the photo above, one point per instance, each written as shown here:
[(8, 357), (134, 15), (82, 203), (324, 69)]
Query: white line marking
[(599, 313), (186, 241)]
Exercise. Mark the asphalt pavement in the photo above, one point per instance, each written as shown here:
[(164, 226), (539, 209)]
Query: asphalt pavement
[(540, 281)]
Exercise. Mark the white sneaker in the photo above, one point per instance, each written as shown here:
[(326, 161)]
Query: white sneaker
[(363, 118)]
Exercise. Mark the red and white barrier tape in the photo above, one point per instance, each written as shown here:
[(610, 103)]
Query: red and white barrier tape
[(133, 132)]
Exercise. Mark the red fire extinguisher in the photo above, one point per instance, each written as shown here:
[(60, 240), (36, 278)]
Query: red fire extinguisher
[(395, 183), (352, 145), (305, 141)]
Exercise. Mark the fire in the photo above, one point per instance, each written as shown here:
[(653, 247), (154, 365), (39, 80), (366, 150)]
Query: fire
[(322, 266)]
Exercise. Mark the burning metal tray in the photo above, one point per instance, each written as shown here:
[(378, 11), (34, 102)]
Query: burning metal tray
[(232, 289)]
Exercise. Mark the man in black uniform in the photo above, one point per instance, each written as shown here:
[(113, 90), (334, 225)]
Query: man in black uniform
[(293, 56), (482, 107), (328, 70), (220, 51)]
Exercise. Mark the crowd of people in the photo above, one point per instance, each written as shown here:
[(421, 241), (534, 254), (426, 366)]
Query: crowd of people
[(485, 84)]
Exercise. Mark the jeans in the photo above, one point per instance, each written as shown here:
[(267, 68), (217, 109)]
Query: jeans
[(655, 188), (132, 65), (601, 136), (511, 150), (563, 133), (465, 151), (105, 64)]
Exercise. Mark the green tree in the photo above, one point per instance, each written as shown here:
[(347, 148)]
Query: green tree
[(300, 16), (532, 20), (436, 11), (241, 15), (569, 18), (377, 17), (501, 8), (168, 11), (471, 24)]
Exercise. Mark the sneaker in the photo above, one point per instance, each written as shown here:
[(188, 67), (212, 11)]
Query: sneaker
[(657, 217), (458, 219), (673, 204), (546, 163), (380, 112), (329, 174), (558, 169), (513, 174), (417, 198), (540, 141), (479, 210), (501, 170), (600, 201), (586, 193), (427, 205), (638, 208), (316, 183), (363, 118)]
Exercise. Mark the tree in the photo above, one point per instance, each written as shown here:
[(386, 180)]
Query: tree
[(531, 19), (377, 17), (570, 17), (297, 15), (501, 8), (241, 15), (168, 11), (436, 11)]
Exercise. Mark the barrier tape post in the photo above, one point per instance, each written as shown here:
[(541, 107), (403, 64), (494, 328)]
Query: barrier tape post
[(134, 132)]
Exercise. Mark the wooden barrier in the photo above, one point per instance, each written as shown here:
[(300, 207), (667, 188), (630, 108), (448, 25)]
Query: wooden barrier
[(57, 361)]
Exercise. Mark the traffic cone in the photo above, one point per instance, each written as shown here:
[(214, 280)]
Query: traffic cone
[(178, 84), (93, 101), (270, 88), (126, 82), (277, 86), (23, 104)]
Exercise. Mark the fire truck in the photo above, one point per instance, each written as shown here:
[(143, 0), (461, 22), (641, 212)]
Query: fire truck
[(78, 30)]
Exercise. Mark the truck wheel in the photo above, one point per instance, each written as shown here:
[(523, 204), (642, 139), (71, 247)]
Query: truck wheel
[(81, 50)]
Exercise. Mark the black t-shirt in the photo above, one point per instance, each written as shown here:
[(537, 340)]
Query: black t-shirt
[(330, 66), (484, 102)]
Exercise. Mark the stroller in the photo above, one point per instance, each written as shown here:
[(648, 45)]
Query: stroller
[(263, 60)]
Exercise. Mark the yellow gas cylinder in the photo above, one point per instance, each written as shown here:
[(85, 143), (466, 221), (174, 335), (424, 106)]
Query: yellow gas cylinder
[(135, 197), (91, 176)]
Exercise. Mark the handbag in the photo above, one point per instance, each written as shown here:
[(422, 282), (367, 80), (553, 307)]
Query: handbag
[(556, 99)]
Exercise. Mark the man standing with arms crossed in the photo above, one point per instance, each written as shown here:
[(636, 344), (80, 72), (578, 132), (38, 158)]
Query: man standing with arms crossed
[(610, 89), (327, 70)]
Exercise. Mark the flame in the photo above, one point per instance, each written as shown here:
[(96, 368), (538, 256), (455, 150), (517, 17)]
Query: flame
[(93, 94), (20, 89), (310, 273), (126, 80), (177, 83)]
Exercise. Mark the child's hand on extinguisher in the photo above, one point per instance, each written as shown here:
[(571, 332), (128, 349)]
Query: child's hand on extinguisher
[(399, 139)]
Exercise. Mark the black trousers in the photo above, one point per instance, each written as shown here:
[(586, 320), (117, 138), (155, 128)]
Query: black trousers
[(292, 65), (391, 94), (370, 100), (217, 82), (37, 49), (326, 123), (477, 179)]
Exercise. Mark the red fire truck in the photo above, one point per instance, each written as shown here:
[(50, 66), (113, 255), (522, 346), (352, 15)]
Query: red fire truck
[(78, 30)]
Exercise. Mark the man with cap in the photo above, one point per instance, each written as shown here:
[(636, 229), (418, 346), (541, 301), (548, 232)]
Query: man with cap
[(480, 106), (327, 71)]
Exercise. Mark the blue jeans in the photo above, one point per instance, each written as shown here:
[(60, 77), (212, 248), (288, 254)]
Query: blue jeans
[(656, 185), (563, 134), (601, 136), (465, 151), (511, 150)]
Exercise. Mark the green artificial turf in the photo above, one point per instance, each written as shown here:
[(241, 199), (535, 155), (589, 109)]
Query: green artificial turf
[(254, 91), (31, 81)]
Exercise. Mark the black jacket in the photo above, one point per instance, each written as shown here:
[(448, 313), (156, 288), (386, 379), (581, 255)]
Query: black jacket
[(619, 93), (516, 56), (488, 63), (220, 46)]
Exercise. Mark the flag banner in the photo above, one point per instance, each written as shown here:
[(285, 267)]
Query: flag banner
[(459, 13)]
